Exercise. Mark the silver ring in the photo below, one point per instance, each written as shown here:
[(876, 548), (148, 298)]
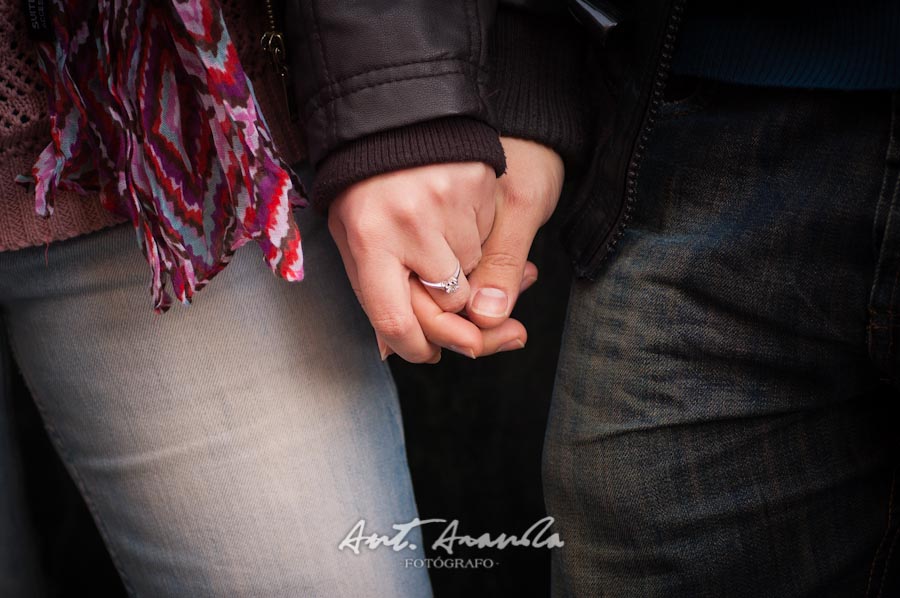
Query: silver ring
[(449, 286)]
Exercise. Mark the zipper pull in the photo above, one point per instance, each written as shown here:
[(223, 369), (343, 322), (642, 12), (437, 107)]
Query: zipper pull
[(272, 42)]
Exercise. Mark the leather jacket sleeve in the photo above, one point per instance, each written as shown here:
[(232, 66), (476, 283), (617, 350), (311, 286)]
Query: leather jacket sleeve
[(391, 84), (368, 66)]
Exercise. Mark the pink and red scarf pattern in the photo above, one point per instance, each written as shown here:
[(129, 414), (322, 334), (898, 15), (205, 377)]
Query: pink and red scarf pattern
[(149, 105)]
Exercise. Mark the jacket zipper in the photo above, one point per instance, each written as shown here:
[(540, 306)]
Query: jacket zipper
[(272, 42), (659, 85)]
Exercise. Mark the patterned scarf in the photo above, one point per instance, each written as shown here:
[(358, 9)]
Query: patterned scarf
[(150, 106)]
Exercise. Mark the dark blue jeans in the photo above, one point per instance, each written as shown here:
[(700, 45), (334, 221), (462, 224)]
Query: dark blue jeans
[(725, 422)]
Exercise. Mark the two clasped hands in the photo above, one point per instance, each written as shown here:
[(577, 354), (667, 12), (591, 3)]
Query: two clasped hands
[(398, 229)]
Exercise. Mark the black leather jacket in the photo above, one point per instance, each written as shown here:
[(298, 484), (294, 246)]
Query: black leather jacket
[(631, 72), (369, 66)]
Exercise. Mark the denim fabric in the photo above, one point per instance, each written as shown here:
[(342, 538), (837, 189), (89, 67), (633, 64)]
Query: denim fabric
[(20, 573), (725, 420), (220, 452)]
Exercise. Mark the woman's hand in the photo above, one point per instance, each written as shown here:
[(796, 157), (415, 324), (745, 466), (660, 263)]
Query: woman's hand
[(422, 221), (395, 227)]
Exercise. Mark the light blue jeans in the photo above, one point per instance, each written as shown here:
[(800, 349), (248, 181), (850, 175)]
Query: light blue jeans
[(225, 448)]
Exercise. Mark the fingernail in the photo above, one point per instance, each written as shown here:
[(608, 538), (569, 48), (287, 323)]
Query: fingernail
[(470, 353), (435, 359), (491, 303), (527, 282), (513, 345), (383, 349)]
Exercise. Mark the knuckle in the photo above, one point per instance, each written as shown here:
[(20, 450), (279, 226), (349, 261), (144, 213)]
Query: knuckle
[(405, 203), (469, 265), (476, 173), (409, 220), (502, 260), (455, 302), (453, 178), (406, 211), (442, 184), (393, 326)]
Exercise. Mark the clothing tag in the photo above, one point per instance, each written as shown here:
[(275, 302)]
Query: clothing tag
[(38, 12)]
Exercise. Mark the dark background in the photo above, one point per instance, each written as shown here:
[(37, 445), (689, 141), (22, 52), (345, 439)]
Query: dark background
[(474, 432)]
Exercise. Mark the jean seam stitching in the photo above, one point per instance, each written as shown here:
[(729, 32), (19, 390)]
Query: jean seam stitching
[(891, 150), (892, 302), (887, 563), (889, 195), (893, 212), (59, 445), (884, 538)]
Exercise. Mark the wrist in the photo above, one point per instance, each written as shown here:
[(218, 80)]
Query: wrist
[(537, 80), (440, 141)]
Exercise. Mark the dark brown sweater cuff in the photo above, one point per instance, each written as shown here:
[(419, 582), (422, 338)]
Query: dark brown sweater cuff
[(537, 66), (450, 139)]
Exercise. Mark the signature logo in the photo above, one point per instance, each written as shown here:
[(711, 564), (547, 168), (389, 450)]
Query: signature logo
[(536, 536)]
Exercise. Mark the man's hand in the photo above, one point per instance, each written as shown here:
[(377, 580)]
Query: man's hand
[(529, 192), (415, 221)]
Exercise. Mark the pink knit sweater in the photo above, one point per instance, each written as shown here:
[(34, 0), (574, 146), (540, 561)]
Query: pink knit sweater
[(24, 127)]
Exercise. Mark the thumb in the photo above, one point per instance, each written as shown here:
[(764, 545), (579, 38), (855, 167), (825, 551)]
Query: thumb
[(498, 279)]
